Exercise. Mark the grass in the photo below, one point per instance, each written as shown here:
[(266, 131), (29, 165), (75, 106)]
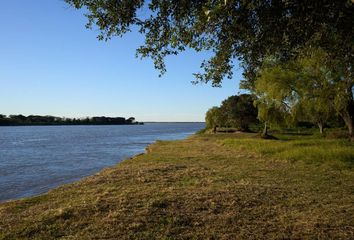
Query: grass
[(222, 186), (336, 153)]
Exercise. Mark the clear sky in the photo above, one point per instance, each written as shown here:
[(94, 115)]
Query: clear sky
[(50, 64)]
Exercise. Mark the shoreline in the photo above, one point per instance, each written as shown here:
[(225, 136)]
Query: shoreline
[(66, 152), (208, 185), (71, 182), (146, 150)]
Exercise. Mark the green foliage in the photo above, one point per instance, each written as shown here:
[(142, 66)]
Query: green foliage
[(236, 112), (271, 113), (232, 29), (239, 111), (309, 88), (213, 117)]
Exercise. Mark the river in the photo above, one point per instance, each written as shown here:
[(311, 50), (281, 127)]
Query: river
[(34, 159)]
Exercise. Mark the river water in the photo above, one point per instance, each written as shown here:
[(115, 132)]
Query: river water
[(34, 159)]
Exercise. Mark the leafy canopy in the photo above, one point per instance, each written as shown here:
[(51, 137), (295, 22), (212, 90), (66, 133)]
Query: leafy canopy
[(309, 88), (213, 118), (236, 111), (247, 30)]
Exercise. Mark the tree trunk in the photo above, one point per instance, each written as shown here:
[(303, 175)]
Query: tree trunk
[(265, 130), (214, 129), (320, 126), (349, 122), (348, 117)]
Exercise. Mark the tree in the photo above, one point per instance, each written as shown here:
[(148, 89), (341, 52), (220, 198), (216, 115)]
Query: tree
[(3, 120), (239, 111), (235, 111), (213, 118), (270, 113), (326, 82), (308, 88), (130, 120), (316, 110)]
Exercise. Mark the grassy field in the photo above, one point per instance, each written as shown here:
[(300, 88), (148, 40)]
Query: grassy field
[(222, 186)]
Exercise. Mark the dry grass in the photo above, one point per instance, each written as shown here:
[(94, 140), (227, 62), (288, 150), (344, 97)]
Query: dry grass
[(223, 186)]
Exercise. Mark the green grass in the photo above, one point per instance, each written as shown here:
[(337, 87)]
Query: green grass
[(318, 151), (222, 186)]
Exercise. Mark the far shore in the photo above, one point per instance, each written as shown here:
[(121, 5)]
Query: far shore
[(61, 124)]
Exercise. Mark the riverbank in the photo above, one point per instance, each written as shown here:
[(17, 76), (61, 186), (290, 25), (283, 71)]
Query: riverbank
[(223, 186)]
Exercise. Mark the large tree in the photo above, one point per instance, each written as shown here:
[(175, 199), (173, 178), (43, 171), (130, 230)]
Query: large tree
[(312, 86), (231, 29)]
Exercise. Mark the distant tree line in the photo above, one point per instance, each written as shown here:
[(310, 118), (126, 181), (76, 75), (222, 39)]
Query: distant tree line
[(18, 120)]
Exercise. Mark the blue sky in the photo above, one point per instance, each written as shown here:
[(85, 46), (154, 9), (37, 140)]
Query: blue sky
[(50, 64)]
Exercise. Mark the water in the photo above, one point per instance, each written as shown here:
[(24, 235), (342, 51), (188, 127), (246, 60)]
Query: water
[(34, 159)]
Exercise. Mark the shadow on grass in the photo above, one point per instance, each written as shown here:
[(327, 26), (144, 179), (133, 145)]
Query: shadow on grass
[(297, 134), (268, 137)]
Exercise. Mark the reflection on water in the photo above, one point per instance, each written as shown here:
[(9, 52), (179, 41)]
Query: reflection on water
[(34, 159)]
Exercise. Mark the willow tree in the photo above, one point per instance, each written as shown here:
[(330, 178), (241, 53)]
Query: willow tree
[(309, 88), (244, 30), (271, 112), (320, 86), (213, 118), (316, 110)]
